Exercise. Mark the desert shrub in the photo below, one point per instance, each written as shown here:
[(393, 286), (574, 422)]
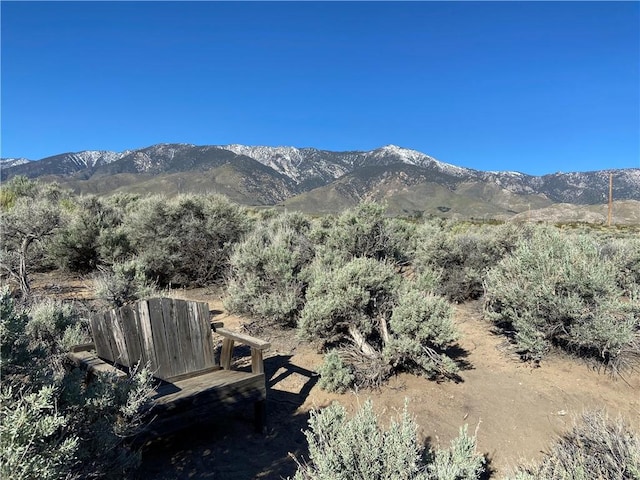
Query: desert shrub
[(557, 289), (336, 450), (54, 327), (265, 278), (335, 375), (114, 244), (77, 244), (14, 352), (625, 253), (71, 430), (123, 283), (186, 240), (28, 218), (459, 462), (105, 413), (462, 254), (596, 447), (364, 231), (365, 308), (54, 424), (33, 438), (422, 327), (18, 186)]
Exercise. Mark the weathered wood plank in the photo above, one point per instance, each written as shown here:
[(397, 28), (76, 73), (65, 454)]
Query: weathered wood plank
[(131, 329), (184, 376), (98, 327), (83, 347), (146, 337), (204, 406), (108, 335), (224, 384), (181, 314), (158, 331), (197, 342), (205, 326), (257, 362), (226, 353), (117, 334), (174, 347), (94, 364), (243, 338)]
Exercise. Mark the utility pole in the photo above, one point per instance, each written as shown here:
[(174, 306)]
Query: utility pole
[(610, 199)]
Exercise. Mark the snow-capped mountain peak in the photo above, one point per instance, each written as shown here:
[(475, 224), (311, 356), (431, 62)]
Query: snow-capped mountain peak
[(92, 158), (414, 157), (285, 160)]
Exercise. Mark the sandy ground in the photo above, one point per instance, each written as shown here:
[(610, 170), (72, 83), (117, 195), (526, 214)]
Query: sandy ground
[(517, 409)]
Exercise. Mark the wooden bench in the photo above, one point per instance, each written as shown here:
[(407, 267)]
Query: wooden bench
[(175, 339)]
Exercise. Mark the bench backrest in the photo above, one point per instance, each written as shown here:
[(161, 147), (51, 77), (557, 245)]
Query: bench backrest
[(172, 336)]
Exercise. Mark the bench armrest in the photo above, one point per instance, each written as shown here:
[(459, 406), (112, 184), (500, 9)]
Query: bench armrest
[(257, 346), (253, 342)]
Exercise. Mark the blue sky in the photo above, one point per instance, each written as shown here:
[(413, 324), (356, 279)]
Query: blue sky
[(536, 87)]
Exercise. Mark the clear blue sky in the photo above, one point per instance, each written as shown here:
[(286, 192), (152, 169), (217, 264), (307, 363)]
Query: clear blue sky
[(536, 87)]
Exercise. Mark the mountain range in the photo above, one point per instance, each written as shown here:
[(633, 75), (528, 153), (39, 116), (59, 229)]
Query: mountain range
[(316, 181)]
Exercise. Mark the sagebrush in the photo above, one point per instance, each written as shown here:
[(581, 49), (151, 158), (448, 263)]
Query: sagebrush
[(596, 447), (557, 289), (360, 448)]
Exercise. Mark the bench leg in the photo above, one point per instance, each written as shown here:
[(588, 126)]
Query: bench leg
[(260, 415)]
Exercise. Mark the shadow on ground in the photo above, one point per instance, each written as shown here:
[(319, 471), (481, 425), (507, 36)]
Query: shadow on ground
[(228, 448)]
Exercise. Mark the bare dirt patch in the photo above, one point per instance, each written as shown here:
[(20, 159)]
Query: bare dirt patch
[(518, 409)]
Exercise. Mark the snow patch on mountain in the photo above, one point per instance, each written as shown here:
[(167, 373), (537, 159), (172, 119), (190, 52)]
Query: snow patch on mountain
[(92, 158), (303, 164), (284, 160), (413, 157), (11, 162)]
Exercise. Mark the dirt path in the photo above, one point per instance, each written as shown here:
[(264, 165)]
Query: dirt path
[(517, 409)]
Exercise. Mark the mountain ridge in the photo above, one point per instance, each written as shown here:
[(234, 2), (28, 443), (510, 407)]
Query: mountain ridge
[(276, 175)]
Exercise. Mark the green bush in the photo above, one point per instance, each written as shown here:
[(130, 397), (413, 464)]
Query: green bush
[(16, 187), (461, 255), (105, 413), (557, 289), (459, 462), (596, 447), (186, 240), (54, 327), (360, 449), (625, 253), (33, 436), (421, 326), (123, 283), (364, 231), (265, 276), (77, 245), (367, 310), (14, 343), (30, 215), (335, 375)]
